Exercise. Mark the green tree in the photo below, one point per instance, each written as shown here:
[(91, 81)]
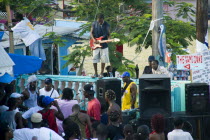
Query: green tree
[(133, 29)]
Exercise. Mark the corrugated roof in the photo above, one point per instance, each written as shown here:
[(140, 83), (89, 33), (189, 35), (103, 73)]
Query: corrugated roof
[(41, 30)]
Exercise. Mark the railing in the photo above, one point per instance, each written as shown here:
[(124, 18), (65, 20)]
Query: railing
[(77, 83)]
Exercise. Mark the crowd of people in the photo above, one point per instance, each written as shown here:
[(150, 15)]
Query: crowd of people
[(33, 115)]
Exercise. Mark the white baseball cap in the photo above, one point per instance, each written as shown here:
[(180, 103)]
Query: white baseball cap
[(36, 118), (15, 95)]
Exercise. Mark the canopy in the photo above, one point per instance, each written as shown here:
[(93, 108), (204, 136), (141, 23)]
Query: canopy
[(6, 62), (23, 65)]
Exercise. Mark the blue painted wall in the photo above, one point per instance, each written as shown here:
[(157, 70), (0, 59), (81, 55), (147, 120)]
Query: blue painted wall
[(63, 51)]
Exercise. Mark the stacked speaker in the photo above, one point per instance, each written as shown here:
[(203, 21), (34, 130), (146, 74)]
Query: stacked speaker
[(154, 95)]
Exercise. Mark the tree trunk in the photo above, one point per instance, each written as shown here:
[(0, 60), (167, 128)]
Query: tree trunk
[(11, 42), (201, 20)]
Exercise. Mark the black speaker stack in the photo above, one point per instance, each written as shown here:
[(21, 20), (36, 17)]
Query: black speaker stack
[(155, 97)]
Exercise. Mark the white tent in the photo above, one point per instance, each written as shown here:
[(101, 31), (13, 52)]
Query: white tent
[(6, 63)]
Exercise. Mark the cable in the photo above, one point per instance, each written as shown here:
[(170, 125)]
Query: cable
[(152, 24)]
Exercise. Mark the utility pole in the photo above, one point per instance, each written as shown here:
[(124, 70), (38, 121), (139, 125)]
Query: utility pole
[(201, 20), (157, 13), (11, 42)]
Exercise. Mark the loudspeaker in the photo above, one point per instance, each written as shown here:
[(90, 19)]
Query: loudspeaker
[(105, 84), (196, 98), (154, 95), (206, 127)]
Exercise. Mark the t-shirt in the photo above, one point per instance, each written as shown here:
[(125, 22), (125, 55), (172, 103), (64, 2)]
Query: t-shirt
[(178, 134), (40, 133), (94, 109), (31, 111), (55, 94), (26, 30), (66, 109)]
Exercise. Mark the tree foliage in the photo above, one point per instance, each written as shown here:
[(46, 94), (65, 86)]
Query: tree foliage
[(132, 23)]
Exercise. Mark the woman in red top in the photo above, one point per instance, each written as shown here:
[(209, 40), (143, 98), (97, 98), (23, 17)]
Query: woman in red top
[(49, 114), (157, 124)]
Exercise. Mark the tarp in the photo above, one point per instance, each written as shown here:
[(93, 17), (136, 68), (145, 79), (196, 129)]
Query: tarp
[(23, 65)]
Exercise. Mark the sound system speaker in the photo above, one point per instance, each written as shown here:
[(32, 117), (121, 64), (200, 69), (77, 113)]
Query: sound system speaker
[(154, 95), (197, 98), (206, 127), (105, 84)]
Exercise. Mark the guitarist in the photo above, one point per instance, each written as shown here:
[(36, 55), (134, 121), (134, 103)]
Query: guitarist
[(100, 28)]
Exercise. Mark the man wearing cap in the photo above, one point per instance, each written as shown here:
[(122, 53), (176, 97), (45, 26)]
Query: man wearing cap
[(148, 69), (12, 116), (51, 114), (94, 106), (49, 90), (129, 93), (30, 93), (38, 132)]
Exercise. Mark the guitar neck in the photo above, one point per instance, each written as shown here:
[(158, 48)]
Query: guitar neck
[(106, 41)]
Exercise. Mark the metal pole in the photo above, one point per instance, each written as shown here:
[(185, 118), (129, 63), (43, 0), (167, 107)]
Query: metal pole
[(157, 13)]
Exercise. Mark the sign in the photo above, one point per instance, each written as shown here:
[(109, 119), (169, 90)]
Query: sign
[(202, 75), (189, 62)]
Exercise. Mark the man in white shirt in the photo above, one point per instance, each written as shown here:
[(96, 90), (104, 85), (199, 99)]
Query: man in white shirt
[(37, 133), (156, 69), (178, 133), (49, 90)]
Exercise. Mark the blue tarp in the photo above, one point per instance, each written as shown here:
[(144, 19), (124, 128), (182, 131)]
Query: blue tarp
[(23, 65)]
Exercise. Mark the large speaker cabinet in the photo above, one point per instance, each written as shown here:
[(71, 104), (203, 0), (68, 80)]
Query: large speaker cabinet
[(105, 84), (197, 98), (154, 95)]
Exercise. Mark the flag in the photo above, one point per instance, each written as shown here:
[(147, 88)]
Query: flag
[(162, 43)]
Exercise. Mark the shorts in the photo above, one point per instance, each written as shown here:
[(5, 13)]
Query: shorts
[(101, 54)]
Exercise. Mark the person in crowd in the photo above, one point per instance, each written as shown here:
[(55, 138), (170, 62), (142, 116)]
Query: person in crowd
[(94, 128), (65, 103), (157, 69), (101, 132), (148, 69), (12, 116), (115, 128), (104, 107), (157, 124), (8, 89), (128, 131), (30, 94), (36, 132), (108, 72), (48, 89), (71, 130), (50, 114), (178, 133), (129, 92), (82, 119), (110, 98), (142, 133), (27, 115), (94, 106), (100, 28), (5, 132), (2, 92)]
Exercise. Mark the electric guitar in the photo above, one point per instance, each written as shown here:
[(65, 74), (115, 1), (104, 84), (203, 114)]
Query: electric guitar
[(94, 45)]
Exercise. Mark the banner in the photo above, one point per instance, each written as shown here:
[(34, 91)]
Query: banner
[(189, 62)]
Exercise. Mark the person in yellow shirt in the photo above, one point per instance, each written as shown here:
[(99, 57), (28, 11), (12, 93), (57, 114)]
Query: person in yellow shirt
[(129, 93)]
